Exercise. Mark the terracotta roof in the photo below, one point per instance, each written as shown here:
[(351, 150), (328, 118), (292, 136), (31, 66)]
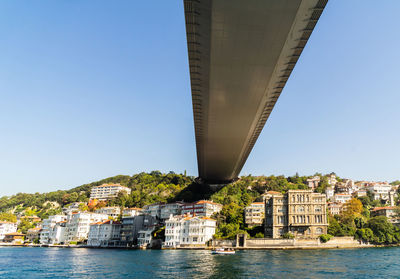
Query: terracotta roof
[(273, 192), (15, 234), (257, 203), (205, 201), (133, 208), (383, 207)]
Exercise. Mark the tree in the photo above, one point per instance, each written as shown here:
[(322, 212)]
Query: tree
[(9, 217)]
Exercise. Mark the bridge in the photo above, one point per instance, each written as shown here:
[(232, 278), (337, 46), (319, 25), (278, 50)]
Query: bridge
[(241, 54)]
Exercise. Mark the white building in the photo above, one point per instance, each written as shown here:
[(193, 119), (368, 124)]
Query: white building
[(145, 237), (73, 207), (187, 230), (202, 208), (254, 214), (341, 198), (108, 191), (47, 227), (78, 225), (112, 211), (380, 191), (133, 211), (5, 228), (330, 192), (332, 179), (58, 234), (106, 233)]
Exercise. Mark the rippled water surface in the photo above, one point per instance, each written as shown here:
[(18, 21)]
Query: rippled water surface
[(26, 263)]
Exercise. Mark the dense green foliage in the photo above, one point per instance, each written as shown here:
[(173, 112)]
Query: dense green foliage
[(325, 237)]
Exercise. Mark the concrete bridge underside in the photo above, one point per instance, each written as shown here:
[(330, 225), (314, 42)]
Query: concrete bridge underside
[(241, 54)]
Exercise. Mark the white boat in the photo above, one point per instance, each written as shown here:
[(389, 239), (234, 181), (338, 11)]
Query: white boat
[(223, 251)]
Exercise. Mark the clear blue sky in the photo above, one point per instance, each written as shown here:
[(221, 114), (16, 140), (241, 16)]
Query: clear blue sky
[(92, 89)]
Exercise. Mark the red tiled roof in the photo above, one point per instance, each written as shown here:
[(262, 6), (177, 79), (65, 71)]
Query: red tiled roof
[(383, 207)]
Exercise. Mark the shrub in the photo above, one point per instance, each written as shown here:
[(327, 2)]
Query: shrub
[(288, 235), (325, 237), (259, 235)]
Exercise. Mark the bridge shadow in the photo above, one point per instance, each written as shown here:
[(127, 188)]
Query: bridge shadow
[(194, 192)]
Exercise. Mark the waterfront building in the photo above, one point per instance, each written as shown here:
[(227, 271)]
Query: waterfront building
[(254, 214), (185, 230), (58, 234), (112, 211), (5, 228), (342, 198), (14, 238), (335, 208), (313, 182), (330, 192), (78, 224), (133, 211), (33, 234), (202, 208), (108, 191), (299, 212), (145, 237), (48, 225), (170, 208), (131, 225), (104, 234)]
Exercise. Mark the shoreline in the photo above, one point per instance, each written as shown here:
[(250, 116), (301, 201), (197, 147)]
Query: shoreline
[(330, 247)]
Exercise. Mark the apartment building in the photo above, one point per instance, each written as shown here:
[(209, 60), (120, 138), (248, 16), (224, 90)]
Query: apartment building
[(104, 234), (254, 214), (78, 225), (133, 211), (112, 211), (202, 208), (108, 191), (48, 225)]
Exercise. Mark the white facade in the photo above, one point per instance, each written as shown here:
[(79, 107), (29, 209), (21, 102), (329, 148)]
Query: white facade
[(108, 191), (7, 227), (254, 214), (186, 230), (134, 211), (342, 198), (330, 192), (48, 225), (332, 180), (106, 233), (58, 233), (145, 237), (112, 211), (78, 225), (380, 191)]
